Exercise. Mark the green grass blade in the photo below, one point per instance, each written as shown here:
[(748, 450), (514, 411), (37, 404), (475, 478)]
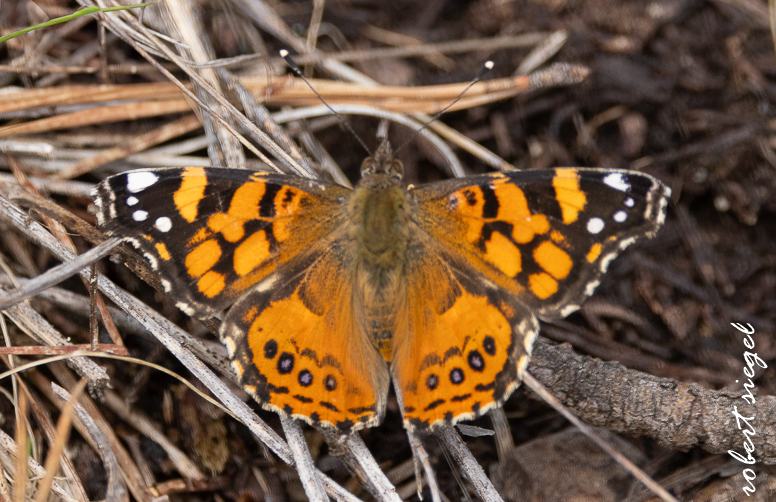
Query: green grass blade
[(83, 12)]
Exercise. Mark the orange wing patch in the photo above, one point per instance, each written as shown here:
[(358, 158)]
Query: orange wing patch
[(553, 260), (542, 285), (203, 257), (162, 250), (460, 346), (594, 253), (211, 284), (191, 191), (503, 254), (243, 207), (297, 349), (251, 253), (571, 199)]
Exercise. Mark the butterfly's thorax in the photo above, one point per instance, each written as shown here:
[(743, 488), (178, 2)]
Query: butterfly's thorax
[(379, 215)]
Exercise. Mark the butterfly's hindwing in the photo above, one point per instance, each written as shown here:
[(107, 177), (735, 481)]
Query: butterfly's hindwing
[(461, 347), (296, 346)]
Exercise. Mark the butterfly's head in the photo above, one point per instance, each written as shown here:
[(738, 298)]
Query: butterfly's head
[(382, 162)]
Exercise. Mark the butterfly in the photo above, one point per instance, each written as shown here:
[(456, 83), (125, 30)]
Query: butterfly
[(334, 292)]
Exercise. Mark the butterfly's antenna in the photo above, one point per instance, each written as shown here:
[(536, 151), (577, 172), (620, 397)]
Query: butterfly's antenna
[(291, 64), (480, 74)]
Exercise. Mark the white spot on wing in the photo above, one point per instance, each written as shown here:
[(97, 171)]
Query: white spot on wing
[(138, 181), (140, 215), (606, 261), (166, 285), (590, 288), (185, 308), (152, 260), (595, 225), (627, 242), (620, 216), (131, 200), (529, 329), (569, 309), (231, 348), (629, 202), (661, 210), (617, 181), (163, 224), (100, 208)]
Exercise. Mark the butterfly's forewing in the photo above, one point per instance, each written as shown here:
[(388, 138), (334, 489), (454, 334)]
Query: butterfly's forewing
[(295, 344), (462, 343), (544, 236), (213, 233)]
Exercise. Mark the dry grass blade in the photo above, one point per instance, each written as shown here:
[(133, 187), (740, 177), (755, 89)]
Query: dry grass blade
[(318, 111), (303, 462), (540, 54), (352, 451), (20, 475), (38, 328), (10, 449), (162, 99), (772, 20), (56, 448), (57, 274), (5, 492), (258, 114), (387, 37), (287, 91), (206, 87), (45, 350), (187, 468), (102, 115), (453, 47), (183, 23), (69, 188), (85, 94), (116, 489), (142, 142), (420, 460), (469, 465)]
